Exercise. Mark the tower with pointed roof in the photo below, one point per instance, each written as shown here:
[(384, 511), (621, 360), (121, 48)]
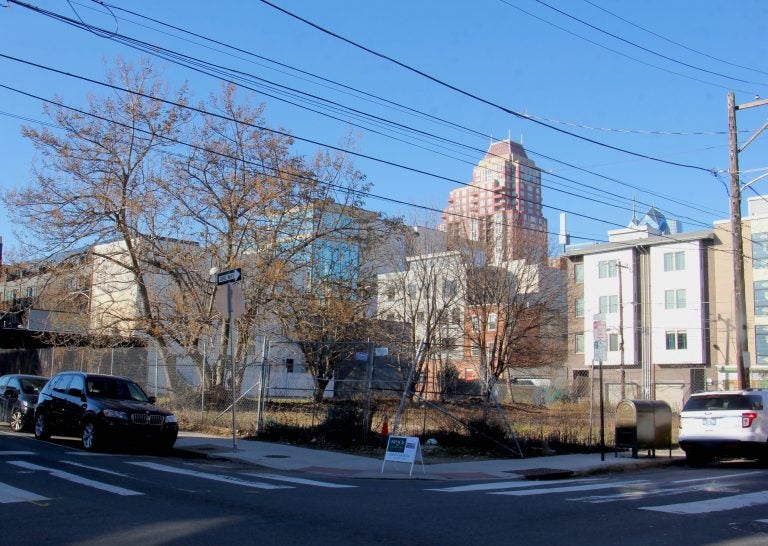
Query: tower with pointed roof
[(502, 207)]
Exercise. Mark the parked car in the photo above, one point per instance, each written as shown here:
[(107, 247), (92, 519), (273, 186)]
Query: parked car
[(19, 394), (726, 424), (100, 409)]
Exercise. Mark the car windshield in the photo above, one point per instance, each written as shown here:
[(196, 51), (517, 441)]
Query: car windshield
[(117, 389), (32, 385), (722, 402)]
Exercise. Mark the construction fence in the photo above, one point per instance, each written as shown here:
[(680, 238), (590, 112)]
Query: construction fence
[(275, 391)]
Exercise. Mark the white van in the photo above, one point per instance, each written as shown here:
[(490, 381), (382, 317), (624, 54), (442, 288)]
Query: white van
[(725, 424)]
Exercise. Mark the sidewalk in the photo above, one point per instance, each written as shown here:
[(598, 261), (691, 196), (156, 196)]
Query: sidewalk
[(329, 463)]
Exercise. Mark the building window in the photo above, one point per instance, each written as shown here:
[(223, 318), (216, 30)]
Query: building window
[(674, 299), (760, 250), (674, 261), (761, 344), (475, 324), (761, 298), (456, 315), (413, 291), (492, 322), (30, 292), (449, 289), (420, 317), (474, 351), (578, 273), (606, 269), (613, 342), (609, 304), (288, 365), (469, 374), (579, 347), (390, 292), (677, 340), (579, 307)]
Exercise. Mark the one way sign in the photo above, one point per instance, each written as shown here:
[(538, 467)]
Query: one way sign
[(226, 277)]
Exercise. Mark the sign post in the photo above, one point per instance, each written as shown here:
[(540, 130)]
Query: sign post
[(601, 354), (227, 278)]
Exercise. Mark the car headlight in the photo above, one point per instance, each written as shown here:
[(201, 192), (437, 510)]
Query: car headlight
[(170, 418), (112, 414)]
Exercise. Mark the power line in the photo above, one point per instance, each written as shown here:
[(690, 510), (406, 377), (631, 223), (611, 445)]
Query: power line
[(671, 41), (365, 194), (643, 48), (176, 57), (476, 97)]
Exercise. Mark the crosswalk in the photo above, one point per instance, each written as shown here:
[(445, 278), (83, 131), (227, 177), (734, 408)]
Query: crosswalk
[(721, 493), (94, 477)]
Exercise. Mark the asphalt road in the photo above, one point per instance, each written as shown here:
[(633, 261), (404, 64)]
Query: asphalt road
[(55, 493)]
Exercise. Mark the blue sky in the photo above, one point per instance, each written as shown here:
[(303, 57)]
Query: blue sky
[(635, 90)]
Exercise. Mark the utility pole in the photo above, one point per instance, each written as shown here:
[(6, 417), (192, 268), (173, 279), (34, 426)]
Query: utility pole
[(622, 371), (739, 289)]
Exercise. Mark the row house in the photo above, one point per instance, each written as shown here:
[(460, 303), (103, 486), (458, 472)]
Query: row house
[(666, 299)]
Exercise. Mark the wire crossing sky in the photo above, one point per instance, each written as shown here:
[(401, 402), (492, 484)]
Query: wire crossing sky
[(596, 92)]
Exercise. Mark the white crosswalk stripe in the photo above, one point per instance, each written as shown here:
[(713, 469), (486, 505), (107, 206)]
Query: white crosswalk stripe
[(713, 505), (208, 476), (301, 481), (570, 489), (77, 479), (493, 486), (9, 494)]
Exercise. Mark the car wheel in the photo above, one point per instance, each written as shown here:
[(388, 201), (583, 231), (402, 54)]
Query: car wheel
[(696, 458), (17, 420), (90, 436), (42, 430)]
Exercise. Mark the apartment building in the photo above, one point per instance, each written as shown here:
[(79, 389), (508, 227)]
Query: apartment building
[(651, 287)]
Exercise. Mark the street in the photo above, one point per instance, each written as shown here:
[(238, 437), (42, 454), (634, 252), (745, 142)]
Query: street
[(52, 492)]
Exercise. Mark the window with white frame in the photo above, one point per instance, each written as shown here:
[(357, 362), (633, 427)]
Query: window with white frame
[(606, 269), (613, 342), (761, 344), (609, 304), (674, 261), (676, 340), (761, 298), (579, 346), (492, 322), (675, 299), (578, 273), (475, 324), (474, 351), (579, 307), (759, 250)]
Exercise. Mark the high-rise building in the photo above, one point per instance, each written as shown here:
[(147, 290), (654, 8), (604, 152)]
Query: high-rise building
[(502, 207)]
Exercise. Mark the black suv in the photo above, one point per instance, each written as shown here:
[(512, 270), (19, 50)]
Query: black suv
[(99, 408), (19, 396)]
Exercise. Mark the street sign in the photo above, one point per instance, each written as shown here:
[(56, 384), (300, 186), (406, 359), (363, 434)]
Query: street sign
[(226, 277), (599, 334)]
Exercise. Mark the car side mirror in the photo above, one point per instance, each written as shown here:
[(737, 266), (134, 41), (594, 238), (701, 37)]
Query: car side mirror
[(152, 399), (77, 393), (10, 393)]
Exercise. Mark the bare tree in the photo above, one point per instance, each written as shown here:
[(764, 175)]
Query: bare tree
[(512, 312), (425, 293)]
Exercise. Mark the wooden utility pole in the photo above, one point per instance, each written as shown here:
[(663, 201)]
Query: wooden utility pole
[(737, 243), (739, 290), (622, 371)]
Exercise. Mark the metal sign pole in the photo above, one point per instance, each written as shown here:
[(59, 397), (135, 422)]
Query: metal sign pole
[(232, 361)]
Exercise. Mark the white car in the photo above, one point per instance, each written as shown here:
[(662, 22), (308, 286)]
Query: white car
[(725, 424)]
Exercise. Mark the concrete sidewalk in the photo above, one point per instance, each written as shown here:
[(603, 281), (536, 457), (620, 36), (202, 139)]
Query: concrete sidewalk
[(330, 463)]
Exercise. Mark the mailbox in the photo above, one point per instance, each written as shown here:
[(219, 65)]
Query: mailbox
[(644, 424)]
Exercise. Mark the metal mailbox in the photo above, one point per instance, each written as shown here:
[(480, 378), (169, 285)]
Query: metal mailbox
[(644, 424)]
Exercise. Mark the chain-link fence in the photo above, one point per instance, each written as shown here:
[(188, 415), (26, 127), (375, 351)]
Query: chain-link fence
[(277, 394)]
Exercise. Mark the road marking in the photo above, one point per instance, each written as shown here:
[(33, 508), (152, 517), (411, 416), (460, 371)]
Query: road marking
[(713, 505), (104, 470), (571, 489), (714, 478), (9, 494), (17, 453), (77, 479), (501, 485), (206, 476), (656, 492), (302, 481)]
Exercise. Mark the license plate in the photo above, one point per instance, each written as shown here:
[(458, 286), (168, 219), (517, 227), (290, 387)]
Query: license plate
[(708, 422)]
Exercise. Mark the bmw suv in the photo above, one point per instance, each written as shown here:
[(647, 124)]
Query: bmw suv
[(725, 424), (102, 408)]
